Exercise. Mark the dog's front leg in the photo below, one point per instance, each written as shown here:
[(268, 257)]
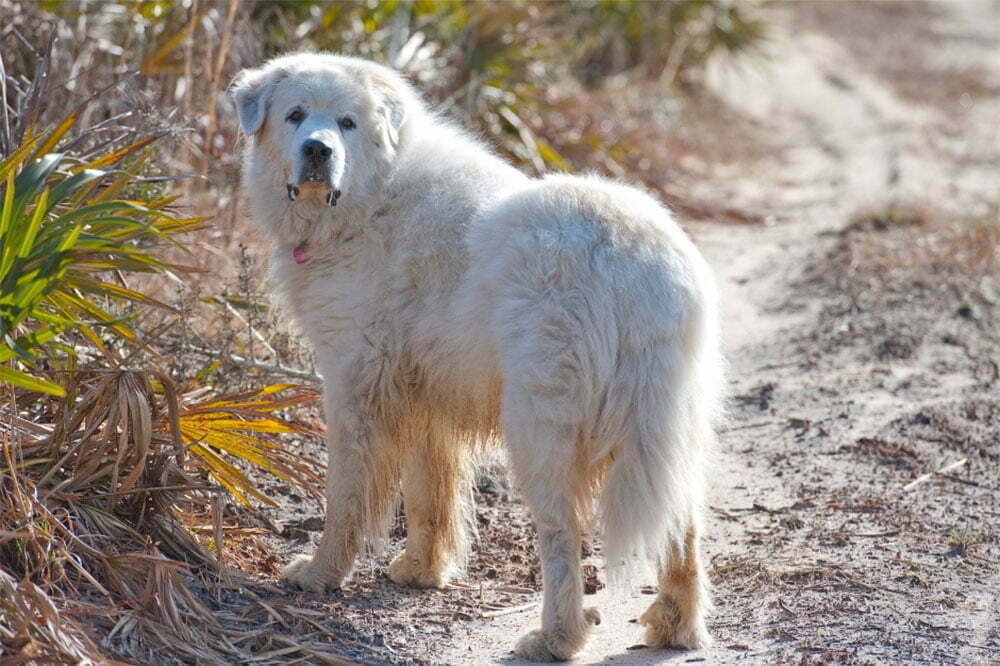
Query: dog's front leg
[(435, 488), (361, 483)]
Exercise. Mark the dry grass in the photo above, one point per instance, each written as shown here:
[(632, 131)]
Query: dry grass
[(99, 508), (917, 242), (98, 497), (32, 628)]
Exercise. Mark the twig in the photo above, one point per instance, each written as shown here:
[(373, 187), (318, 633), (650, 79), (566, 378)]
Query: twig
[(239, 360), (759, 424), (509, 611), (318, 656), (947, 468), (969, 482), (873, 534), (785, 608), (164, 179), (984, 647), (759, 508), (220, 61), (725, 514), (5, 129), (516, 589)]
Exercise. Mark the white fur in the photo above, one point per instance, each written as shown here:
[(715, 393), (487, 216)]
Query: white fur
[(450, 298)]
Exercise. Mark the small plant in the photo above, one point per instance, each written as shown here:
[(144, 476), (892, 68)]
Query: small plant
[(244, 425), (961, 542)]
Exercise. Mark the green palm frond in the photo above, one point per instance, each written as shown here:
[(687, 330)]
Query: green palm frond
[(63, 230)]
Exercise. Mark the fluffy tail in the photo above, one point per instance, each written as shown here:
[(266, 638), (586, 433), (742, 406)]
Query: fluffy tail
[(669, 399)]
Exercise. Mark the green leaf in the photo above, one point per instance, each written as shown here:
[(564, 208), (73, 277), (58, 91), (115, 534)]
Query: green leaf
[(74, 182), (34, 177), (6, 215), (26, 381), (28, 341), (33, 226)]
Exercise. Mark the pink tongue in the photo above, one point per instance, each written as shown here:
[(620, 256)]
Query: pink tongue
[(300, 254)]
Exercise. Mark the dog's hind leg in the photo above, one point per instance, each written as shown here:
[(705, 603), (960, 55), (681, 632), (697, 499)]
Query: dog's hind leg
[(676, 618), (544, 459), (434, 481)]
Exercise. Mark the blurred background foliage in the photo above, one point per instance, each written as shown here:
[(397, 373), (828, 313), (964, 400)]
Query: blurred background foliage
[(497, 66), (143, 378)]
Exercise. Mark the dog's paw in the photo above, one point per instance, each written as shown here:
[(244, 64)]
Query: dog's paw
[(539, 646), (665, 628), (534, 647), (302, 572), (406, 570)]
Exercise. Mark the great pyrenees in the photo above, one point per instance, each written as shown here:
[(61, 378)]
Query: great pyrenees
[(451, 300)]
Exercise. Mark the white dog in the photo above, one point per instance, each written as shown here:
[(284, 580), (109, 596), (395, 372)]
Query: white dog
[(450, 298)]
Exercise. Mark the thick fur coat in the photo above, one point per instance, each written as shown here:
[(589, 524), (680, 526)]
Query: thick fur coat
[(451, 300)]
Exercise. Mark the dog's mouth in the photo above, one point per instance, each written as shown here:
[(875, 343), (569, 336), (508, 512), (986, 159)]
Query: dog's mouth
[(321, 186), (319, 181)]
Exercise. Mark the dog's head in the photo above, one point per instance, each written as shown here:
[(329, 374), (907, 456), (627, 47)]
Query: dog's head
[(322, 130)]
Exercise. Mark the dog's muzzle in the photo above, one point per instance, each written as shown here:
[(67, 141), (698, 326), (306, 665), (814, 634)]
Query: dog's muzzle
[(317, 169)]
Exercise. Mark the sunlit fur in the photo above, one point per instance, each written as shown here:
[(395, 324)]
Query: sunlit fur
[(452, 300)]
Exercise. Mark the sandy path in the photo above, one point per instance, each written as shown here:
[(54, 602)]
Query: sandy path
[(750, 265), (846, 137)]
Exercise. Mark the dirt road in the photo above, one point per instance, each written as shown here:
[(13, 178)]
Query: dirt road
[(821, 552)]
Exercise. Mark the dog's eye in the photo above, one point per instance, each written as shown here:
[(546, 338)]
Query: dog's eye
[(296, 115), (346, 123)]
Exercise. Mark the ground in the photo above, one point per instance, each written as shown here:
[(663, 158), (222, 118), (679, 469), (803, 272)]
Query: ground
[(855, 499)]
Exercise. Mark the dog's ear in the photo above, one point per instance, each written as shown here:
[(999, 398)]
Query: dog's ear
[(251, 91), (394, 111), (392, 98)]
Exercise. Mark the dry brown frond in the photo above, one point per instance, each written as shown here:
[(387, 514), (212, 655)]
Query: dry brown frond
[(32, 628), (96, 495)]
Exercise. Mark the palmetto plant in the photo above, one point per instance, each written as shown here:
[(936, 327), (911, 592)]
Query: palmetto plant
[(69, 241), (106, 460), (244, 425), (64, 228), (96, 499)]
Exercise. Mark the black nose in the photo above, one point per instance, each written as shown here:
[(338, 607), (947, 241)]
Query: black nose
[(316, 151)]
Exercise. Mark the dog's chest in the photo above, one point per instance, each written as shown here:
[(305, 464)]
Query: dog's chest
[(335, 295)]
